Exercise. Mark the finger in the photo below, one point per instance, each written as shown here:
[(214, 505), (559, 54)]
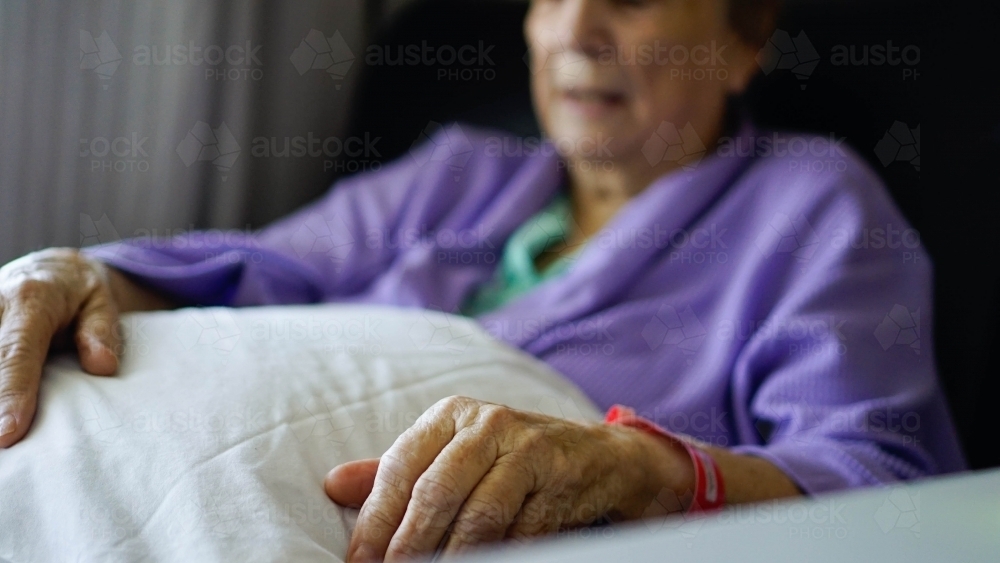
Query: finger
[(24, 343), (547, 511), (399, 468), (349, 484), (440, 493), (492, 506), (97, 335), (539, 516)]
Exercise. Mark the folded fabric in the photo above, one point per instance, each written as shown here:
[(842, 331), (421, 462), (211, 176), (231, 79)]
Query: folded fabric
[(748, 299), (212, 442)]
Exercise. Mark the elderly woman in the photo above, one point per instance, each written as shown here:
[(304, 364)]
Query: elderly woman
[(721, 298)]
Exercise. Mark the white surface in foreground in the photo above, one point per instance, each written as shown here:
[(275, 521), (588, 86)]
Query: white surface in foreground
[(942, 520), (212, 442)]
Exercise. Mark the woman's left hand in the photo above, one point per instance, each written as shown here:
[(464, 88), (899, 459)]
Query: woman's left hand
[(470, 472)]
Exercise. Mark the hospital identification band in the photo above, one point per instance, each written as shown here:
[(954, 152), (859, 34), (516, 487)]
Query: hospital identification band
[(709, 489)]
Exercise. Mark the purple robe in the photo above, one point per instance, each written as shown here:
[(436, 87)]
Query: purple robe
[(769, 298)]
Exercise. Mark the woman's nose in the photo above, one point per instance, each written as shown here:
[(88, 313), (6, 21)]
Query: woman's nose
[(578, 26)]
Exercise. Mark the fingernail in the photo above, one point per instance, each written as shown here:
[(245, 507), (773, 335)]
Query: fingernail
[(96, 344), (8, 424)]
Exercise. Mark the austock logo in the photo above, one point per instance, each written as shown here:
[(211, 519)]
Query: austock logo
[(361, 152), (666, 513), (471, 61), (449, 145), (675, 327), (783, 52), (99, 55), (899, 511), (563, 408), (900, 326), (100, 421), (326, 420), (787, 235), (878, 55), (101, 231), (330, 237), (436, 331), (798, 55), (102, 56), (900, 144), (800, 422), (669, 144), (318, 52), (564, 58), (204, 144), (215, 512), (231, 62), (215, 328), (120, 154)]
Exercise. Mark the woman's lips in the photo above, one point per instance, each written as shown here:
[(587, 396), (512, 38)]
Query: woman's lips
[(592, 102)]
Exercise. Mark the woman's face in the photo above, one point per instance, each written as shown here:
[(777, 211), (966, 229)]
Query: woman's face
[(609, 72)]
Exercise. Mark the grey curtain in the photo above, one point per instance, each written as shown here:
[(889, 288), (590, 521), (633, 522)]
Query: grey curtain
[(125, 118)]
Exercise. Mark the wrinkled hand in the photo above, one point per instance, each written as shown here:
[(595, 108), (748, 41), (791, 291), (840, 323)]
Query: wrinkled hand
[(470, 472), (42, 295)]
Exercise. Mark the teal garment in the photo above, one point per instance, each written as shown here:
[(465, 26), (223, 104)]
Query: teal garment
[(516, 273)]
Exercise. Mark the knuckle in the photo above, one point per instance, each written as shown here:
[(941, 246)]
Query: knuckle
[(423, 519), (472, 534), (452, 403), (38, 274), (14, 353), (481, 517), (534, 519), (534, 439), (524, 464), (392, 473), (495, 416), (56, 253), (101, 326), (437, 492), (17, 394), (32, 289), (402, 551), (377, 519)]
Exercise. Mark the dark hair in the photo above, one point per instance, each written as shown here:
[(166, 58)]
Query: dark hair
[(754, 20)]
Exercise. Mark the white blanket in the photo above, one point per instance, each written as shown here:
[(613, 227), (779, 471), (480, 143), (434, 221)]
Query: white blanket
[(212, 442)]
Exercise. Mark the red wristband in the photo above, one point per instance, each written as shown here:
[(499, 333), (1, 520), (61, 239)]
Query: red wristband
[(709, 489)]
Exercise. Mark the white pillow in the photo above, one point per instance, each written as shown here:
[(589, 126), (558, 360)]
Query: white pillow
[(212, 442)]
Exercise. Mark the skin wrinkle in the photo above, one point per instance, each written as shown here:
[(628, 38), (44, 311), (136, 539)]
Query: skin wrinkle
[(480, 515), (462, 446), (43, 303), (580, 493), (437, 491), (485, 516)]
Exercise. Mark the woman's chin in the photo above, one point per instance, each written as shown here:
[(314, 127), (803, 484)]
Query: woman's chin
[(590, 138), (569, 116)]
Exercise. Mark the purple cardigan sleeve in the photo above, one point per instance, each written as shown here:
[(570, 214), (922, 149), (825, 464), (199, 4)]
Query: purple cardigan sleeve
[(317, 253), (834, 376)]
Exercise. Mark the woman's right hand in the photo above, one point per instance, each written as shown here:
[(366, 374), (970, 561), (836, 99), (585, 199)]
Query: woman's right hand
[(56, 292)]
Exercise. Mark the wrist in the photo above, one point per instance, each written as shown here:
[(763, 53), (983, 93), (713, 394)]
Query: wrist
[(658, 472), (708, 491), (129, 296)]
